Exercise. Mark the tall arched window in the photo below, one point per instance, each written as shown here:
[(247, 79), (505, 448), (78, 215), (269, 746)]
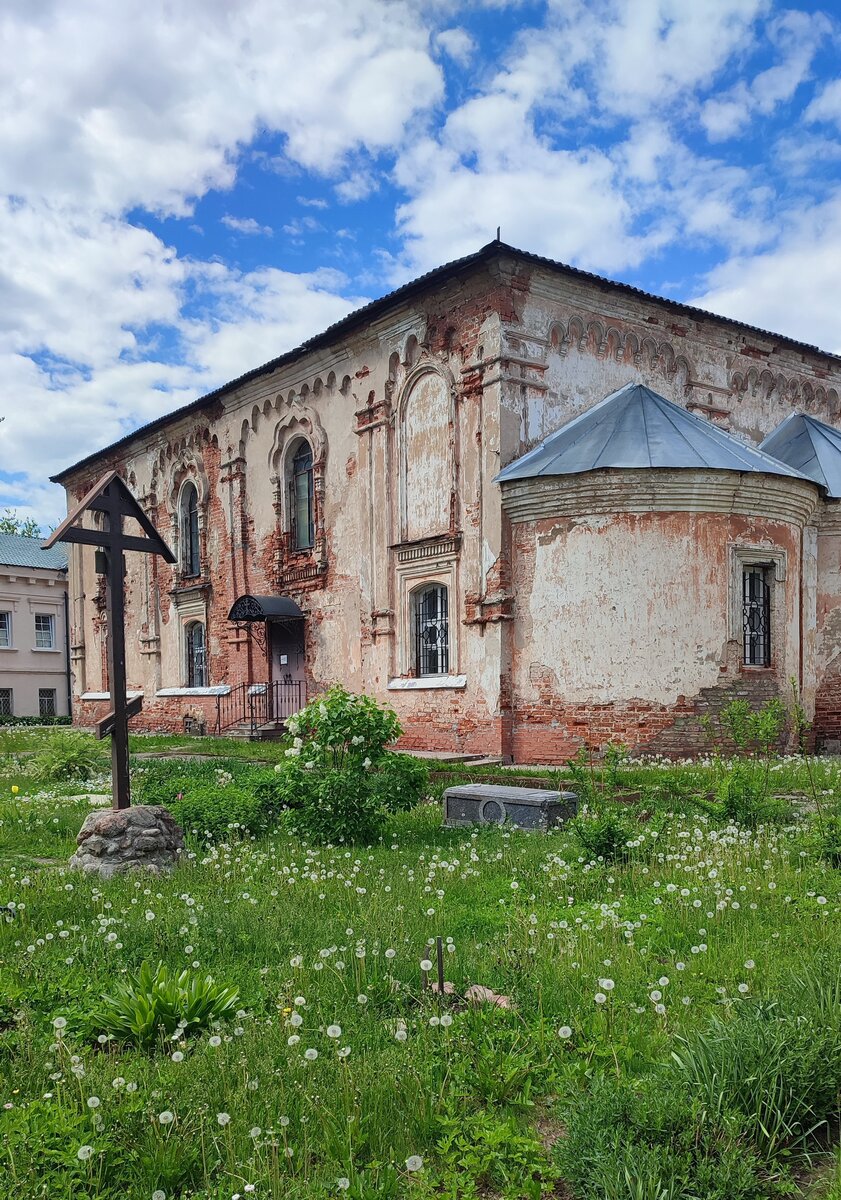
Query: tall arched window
[(194, 643), (302, 496), (432, 631), (190, 559)]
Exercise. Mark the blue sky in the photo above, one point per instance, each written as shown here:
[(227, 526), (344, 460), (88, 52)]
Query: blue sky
[(191, 189)]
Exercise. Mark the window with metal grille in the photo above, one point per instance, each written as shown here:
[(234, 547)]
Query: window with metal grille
[(46, 702), (302, 497), (432, 631), (44, 631), (5, 630), (756, 616), (6, 703), (196, 656), (190, 556)]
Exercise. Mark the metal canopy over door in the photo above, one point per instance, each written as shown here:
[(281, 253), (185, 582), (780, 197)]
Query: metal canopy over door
[(277, 624)]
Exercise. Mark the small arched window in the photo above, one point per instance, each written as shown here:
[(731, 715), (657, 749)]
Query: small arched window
[(194, 641), (432, 631), (190, 558), (302, 496)]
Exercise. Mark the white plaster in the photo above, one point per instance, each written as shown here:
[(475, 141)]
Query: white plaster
[(106, 695), (427, 681), (222, 689)]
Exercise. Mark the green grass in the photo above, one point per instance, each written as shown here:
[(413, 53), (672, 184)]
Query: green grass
[(709, 908)]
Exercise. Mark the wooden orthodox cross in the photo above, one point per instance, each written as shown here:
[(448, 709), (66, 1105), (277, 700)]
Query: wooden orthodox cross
[(112, 498)]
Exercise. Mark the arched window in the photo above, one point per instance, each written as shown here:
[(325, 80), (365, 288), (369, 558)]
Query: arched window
[(194, 642), (432, 631), (190, 560), (301, 496)]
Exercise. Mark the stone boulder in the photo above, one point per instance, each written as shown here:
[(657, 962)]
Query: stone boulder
[(112, 841)]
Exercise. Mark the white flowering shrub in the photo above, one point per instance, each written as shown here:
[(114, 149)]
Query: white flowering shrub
[(338, 776)]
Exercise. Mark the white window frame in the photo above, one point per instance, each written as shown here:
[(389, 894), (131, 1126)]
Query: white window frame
[(776, 561), (51, 618), (6, 642)]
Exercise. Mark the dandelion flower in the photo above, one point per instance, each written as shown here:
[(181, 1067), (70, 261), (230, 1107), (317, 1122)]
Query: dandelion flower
[(414, 1162), (166, 1117), (311, 1055), (84, 1153), (94, 1101), (343, 1184), (565, 1032), (334, 1031), (60, 1023), (158, 1195), (254, 1132), (426, 965), (177, 1056), (223, 1118), (600, 998), (215, 1040)]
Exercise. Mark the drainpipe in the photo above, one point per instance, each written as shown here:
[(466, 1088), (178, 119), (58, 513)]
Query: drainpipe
[(67, 653)]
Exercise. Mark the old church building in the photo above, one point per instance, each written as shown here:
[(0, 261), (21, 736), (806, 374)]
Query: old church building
[(529, 507)]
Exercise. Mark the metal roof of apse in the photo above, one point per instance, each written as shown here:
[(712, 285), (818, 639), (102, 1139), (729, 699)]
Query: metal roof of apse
[(811, 446), (439, 275), (636, 427), (19, 551)]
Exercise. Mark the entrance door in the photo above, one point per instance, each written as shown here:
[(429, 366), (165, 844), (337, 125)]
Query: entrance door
[(289, 675)]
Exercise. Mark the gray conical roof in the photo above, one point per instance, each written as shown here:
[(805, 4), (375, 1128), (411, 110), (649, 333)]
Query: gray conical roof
[(810, 446), (636, 427)]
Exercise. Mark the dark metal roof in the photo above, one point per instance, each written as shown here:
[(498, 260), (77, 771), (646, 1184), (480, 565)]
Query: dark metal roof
[(437, 276), (18, 551), (636, 427), (811, 446), (260, 608)]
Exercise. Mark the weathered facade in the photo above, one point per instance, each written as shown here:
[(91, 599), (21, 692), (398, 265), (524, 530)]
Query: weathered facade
[(34, 667), (356, 479)]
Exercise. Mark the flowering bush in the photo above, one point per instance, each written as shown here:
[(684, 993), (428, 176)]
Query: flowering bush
[(338, 777)]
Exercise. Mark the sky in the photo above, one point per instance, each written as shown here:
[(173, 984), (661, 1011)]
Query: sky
[(192, 187)]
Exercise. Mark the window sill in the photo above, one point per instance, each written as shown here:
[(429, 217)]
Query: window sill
[(46, 650), (427, 682), (222, 689), (10, 650), (106, 695)]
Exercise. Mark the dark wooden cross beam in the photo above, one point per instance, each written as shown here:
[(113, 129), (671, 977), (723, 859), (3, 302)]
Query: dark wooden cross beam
[(112, 498)]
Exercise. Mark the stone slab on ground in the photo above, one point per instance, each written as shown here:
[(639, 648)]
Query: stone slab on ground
[(113, 841), (487, 803)]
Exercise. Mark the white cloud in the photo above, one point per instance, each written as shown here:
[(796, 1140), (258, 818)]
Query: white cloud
[(827, 105), (457, 44), (247, 225), (790, 288)]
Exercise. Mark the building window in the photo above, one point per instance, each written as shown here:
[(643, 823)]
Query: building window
[(432, 631), (46, 702), (44, 631), (5, 630), (190, 559), (302, 497), (756, 616), (196, 655), (7, 708)]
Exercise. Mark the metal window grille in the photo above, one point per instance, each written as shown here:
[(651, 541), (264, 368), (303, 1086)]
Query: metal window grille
[(190, 558), (44, 631), (46, 702), (196, 656), (432, 631), (756, 616), (6, 705), (5, 629), (302, 498)]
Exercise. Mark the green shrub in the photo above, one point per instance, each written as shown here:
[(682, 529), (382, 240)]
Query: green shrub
[(211, 801), (156, 1003), (339, 780), (603, 835), (743, 797), (8, 719), (69, 755)]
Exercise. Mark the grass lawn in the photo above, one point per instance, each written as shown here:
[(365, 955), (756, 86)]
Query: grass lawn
[(338, 1074)]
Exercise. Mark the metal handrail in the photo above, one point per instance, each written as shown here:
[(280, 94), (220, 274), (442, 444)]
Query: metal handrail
[(259, 703)]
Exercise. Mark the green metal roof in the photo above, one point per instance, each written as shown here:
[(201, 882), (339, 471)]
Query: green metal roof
[(17, 551)]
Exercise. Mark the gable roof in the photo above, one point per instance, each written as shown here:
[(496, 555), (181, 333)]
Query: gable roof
[(637, 427), (438, 276), (18, 551), (811, 446)]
